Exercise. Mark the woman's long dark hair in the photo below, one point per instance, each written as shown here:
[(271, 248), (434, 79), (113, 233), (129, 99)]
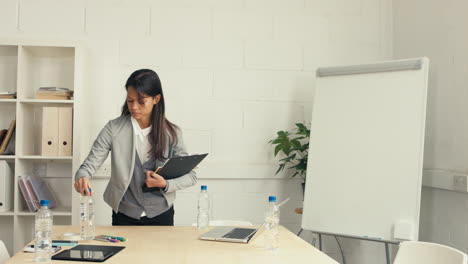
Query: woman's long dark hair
[(146, 82)]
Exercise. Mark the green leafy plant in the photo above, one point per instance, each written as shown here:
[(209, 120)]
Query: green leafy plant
[(295, 147)]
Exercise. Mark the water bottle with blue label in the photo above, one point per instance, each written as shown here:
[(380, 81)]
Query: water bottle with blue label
[(203, 217), (272, 225), (43, 233), (87, 217)]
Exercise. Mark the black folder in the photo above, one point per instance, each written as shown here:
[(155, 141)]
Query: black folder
[(176, 167), (88, 253)]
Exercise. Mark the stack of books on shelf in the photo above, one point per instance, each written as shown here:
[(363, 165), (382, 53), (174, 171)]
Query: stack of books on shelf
[(7, 95), (7, 140), (35, 189), (54, 93)]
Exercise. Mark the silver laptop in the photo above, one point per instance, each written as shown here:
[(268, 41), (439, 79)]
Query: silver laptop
[(232, 234)]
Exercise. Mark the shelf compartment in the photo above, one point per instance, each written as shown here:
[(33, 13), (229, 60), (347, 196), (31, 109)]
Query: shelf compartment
[(56, 185), (56, 174), (44, 168), (8, 68), (30, 129), (44, 67)]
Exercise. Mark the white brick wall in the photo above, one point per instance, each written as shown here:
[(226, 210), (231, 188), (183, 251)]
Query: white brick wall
[(38, 18), (8, 16), (213, 54), (181, 23), (293, 27), (275, 6), (148, 52), (440, 34), (233, 71), (242, 25), (117, 21), (274, 55)]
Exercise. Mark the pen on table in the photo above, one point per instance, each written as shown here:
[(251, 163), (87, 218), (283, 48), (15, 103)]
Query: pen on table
[(106, 239), (123, 239)]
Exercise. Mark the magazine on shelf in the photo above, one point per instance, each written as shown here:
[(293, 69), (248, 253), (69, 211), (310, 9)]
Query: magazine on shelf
[(42, 190), (54, 93), (54, 89), (7, 95), (35, 189), (27, 195)]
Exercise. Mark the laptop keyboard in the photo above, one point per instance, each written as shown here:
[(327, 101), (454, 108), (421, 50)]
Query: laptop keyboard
[(240, 233)]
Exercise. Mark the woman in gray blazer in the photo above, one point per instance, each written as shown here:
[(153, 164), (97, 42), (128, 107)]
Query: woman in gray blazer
[(140, 140)]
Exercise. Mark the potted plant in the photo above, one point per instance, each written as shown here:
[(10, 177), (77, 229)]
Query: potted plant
[(294, 147)]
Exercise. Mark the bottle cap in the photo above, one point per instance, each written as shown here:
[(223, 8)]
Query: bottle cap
[(204, 188), (44, 202), (271, 199)]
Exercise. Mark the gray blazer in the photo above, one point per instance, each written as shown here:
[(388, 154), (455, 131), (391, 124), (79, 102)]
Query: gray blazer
[(117, 136)]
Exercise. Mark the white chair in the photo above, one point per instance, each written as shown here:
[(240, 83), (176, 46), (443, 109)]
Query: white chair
[(4, 256), (413, 252)]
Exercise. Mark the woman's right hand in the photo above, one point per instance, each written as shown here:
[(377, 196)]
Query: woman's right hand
[(82, 185)]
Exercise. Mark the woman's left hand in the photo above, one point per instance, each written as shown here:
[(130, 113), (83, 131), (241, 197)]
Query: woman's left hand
[(155, 180)]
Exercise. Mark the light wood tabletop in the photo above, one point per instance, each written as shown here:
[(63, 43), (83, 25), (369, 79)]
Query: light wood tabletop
[(180, 244)]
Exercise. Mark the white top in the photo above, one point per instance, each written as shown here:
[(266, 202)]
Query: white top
[(142, 144)]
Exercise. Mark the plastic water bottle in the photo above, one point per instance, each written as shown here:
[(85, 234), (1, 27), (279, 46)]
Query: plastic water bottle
[(272, 225), (87, 217), (43, 228), (203, 218)]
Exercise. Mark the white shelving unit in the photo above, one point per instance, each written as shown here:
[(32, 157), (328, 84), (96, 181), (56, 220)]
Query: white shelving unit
[(24, 67)]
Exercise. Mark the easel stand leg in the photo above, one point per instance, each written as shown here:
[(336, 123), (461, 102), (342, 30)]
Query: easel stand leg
[(337, 237), (320, 241), (341, 249), (314, 240), (387, 253), (300, 232)]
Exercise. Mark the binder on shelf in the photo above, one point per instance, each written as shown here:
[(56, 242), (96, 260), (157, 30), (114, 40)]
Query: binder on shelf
[(10, 149), (65, 131), (49, 132), (6, 188), (3, 133), (7, 138)]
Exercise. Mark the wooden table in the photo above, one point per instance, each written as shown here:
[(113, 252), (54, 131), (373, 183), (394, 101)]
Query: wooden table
[(180, 244)]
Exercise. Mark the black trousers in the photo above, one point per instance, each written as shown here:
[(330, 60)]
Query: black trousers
[(164, 219)]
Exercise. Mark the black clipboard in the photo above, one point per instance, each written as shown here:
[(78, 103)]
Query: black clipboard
[(177, 166), (88, 253)]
